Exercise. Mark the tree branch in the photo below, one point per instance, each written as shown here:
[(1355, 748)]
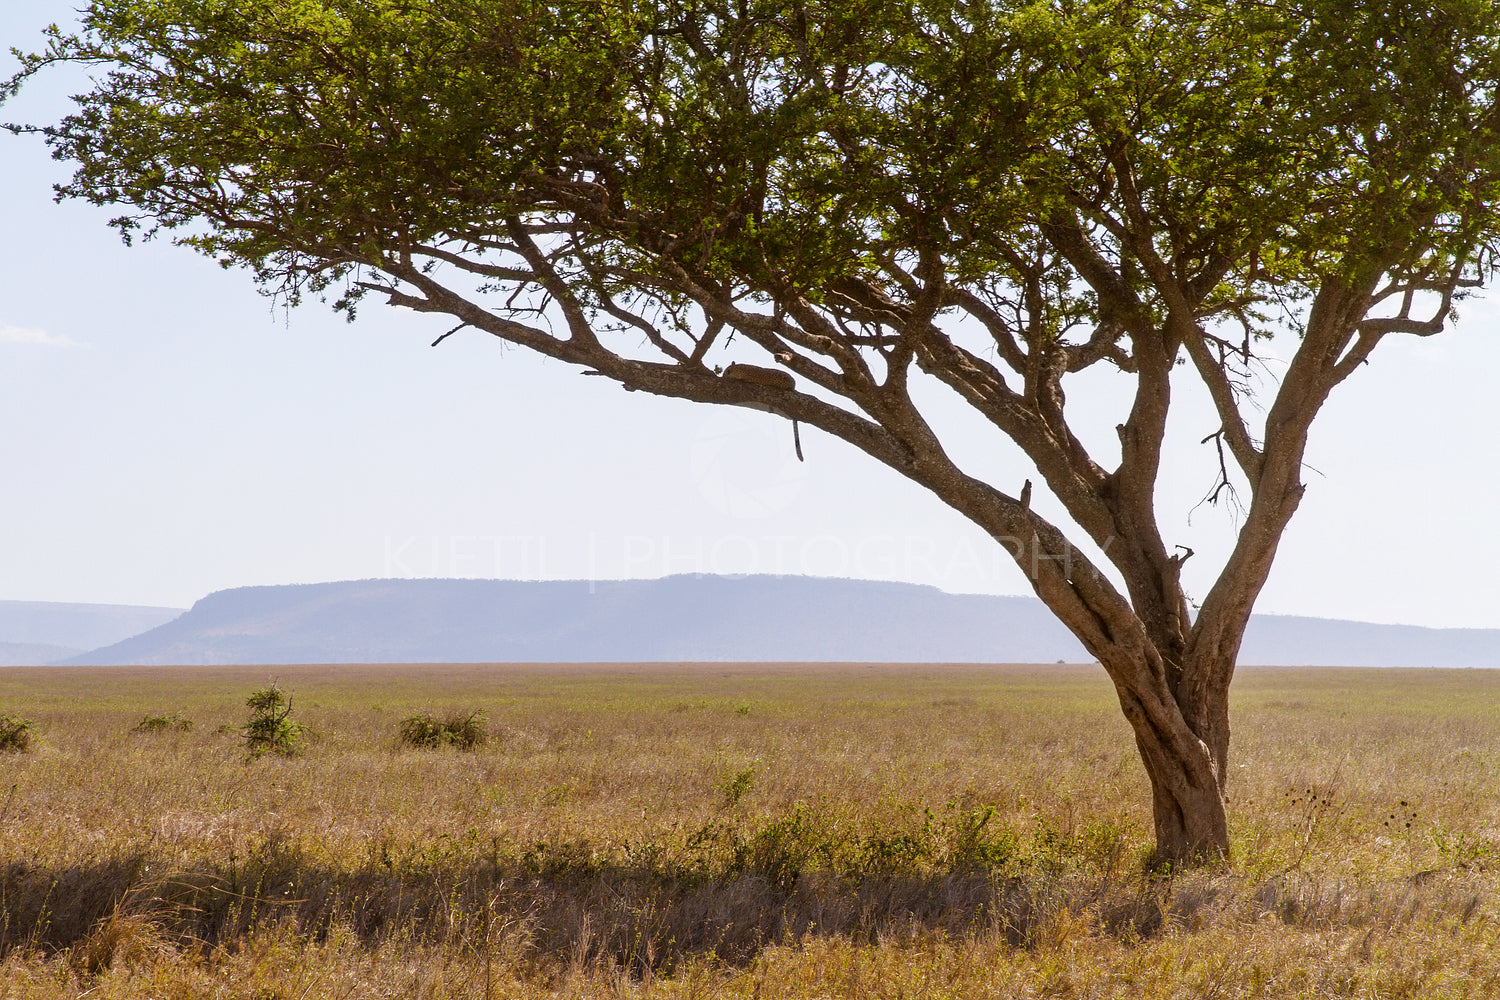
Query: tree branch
[(1231, 421)]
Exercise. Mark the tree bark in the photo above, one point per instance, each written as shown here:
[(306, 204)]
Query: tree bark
[(1189, 810), (1187, 780)]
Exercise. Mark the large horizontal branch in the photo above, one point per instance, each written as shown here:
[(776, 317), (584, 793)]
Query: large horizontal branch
[(685, 380), (1103, 343), (438, 298)]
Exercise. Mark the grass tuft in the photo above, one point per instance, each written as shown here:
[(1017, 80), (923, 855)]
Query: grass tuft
[(128, 939)]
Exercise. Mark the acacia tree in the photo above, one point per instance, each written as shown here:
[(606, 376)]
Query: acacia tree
[(861, 196)]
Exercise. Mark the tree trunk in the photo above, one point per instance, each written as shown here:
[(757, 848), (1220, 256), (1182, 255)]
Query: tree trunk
[(1187, 793), (1188, 807)]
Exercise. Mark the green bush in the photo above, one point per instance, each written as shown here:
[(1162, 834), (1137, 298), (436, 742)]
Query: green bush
[(164, 723), (734, 786), (16, 735), (269, 730), (456, 730)]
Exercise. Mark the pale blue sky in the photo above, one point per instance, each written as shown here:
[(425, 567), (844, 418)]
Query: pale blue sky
[(167, 433)]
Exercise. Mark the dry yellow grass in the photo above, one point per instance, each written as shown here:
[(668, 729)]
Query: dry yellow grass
[(738, 831)]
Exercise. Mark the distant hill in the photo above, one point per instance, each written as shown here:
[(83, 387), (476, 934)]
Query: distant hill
[(1322, 642), (28, 654), (676, 618), (44, 631), (691, 618)]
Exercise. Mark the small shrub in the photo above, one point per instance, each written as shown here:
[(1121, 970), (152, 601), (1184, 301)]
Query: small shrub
[(423, 731), (164, 723), (269, 730), (456, 730), (16, 735), (977, 843), (734, 786)]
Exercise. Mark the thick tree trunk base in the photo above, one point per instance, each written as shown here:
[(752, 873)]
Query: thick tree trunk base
[(1187, 788), (1187, 801), (1191, 829)]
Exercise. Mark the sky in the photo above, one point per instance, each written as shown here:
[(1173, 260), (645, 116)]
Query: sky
[(166, 431)]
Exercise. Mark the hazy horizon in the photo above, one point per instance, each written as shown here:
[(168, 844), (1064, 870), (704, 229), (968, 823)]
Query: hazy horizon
[(683, 618), (587, 580)]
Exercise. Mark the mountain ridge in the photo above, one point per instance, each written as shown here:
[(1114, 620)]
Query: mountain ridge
[(700, 618), (44, 631)]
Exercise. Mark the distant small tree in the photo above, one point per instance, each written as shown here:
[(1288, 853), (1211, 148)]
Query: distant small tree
[(988, 196), (269, 728)]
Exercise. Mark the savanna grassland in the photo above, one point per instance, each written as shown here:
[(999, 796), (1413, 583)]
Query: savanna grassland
[(718, 831)]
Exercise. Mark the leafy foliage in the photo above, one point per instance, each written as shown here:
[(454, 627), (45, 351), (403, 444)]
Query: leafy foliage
[(800, 144)]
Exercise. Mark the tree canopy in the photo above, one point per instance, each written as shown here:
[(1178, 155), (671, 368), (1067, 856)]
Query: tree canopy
[(993, 195)]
